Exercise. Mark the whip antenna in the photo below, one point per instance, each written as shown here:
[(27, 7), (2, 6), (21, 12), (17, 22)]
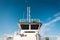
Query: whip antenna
[(28, 11)]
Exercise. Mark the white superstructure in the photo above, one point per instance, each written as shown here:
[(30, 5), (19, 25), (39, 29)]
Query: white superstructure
[(29, 28)]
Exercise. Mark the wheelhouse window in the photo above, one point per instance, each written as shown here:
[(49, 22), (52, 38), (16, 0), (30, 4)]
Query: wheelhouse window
[(24, 27), (34, 27)]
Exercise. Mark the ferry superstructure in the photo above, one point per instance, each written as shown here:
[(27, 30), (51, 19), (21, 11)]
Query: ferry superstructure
[(29, 28)]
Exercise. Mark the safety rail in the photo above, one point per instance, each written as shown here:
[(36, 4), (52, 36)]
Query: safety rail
[(31, 20)]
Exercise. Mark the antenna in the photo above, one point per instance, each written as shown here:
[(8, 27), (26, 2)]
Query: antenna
[(28, 13)]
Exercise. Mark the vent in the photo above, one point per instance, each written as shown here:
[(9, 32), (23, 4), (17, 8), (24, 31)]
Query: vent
[(29, 31)]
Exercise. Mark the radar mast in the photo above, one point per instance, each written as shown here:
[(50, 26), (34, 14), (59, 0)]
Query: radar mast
[(28, 13)]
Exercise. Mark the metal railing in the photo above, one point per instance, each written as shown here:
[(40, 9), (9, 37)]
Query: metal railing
[(31, 20)]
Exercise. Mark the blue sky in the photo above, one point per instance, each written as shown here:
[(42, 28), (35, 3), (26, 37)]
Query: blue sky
[(45, 10)]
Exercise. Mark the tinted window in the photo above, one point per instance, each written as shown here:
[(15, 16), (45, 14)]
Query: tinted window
[(25, 27), (34, 26)]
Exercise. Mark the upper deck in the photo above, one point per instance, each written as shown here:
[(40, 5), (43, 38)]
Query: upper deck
[(29, 25)]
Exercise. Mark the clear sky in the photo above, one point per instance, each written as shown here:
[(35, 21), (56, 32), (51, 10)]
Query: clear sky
[(48, 11)]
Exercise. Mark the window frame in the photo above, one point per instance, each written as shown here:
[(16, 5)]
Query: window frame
[(24, 25), (34, 25)]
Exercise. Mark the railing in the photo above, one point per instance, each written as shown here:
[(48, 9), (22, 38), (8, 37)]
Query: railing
[(31, 20)]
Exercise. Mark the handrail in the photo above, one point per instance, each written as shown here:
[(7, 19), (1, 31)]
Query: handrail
[(31, 20)]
